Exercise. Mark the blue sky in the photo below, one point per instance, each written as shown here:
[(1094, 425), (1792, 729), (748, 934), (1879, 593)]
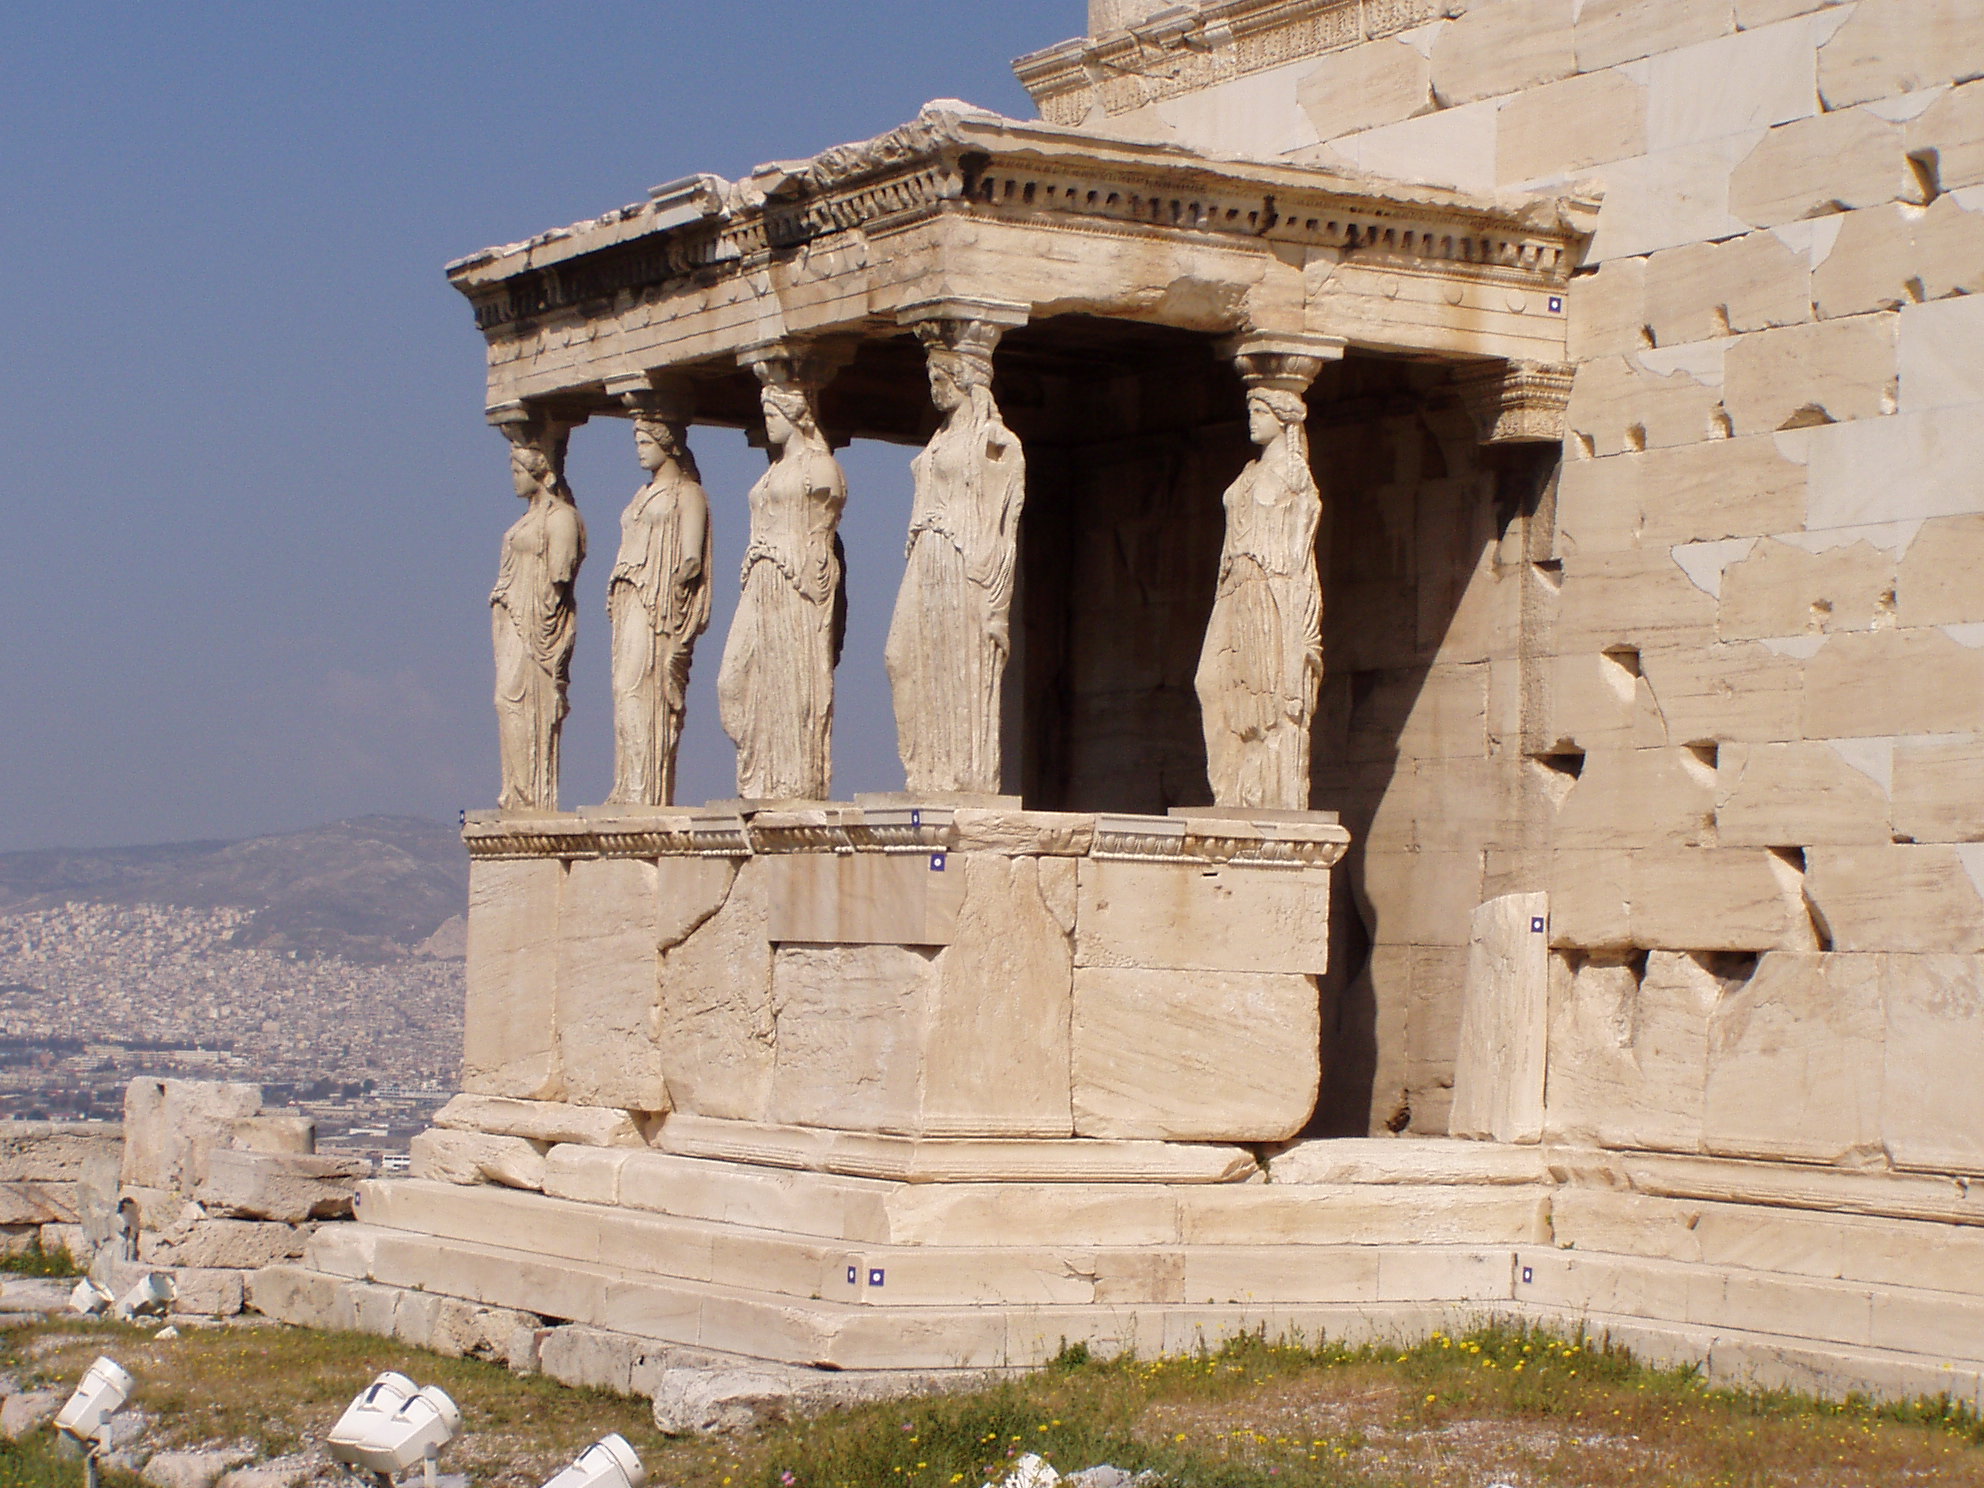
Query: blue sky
[(250, 507)]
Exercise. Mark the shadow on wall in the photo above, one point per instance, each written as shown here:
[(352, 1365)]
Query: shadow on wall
[(1422, 552)]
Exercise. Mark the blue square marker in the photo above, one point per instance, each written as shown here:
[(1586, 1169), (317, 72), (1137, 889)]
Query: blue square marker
[(853, 1275), (875, 1276), (916, 818), (1528, 1275), (936, 862), (1536, 924), (1556, 304)]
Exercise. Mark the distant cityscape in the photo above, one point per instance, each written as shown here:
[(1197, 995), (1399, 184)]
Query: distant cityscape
[(93, 995)]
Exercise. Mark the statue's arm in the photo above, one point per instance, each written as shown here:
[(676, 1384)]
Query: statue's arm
[(694, 516), (564, 546)]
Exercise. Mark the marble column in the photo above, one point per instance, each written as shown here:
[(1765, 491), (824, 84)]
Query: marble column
[(951, 636), (533, 619), (1262, 663), (775, 692), (658, 597)]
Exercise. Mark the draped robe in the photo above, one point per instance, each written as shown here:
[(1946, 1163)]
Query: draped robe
[(657, 609), (950, 637), (1262, 660), (775, 691), (533, 626)]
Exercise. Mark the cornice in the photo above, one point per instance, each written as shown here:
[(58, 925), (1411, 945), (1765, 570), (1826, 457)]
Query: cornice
[(1040, 175)]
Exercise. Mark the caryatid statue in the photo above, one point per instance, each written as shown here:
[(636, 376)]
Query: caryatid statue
[(951, 636), (533, 621), (1262, 663), (658, 599), (775, 692)]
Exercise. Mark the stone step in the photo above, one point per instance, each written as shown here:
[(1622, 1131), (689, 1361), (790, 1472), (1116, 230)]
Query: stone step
[(825, 1331), (877, 1211), (919, 1276), (1943, 1326), (1844, 1247)]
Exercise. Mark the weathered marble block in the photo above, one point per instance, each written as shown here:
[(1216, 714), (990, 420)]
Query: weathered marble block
[(897, 972)]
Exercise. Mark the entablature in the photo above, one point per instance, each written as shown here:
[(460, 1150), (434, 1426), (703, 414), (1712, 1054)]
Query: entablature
[(961, 204)]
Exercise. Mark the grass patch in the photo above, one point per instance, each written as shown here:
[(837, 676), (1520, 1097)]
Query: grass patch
[(34, 1261), (1499, 1405)]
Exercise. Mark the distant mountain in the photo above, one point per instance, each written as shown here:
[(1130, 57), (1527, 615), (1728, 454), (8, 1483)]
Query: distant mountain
[(371, 889)]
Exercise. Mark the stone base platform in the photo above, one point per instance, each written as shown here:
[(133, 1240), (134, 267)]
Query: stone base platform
[(1867, 1282)]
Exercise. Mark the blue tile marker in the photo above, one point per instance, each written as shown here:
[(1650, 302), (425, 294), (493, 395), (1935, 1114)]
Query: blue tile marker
[(936, 862), (875, 1276), (1556, 304), (1536, 924), (853, 1275)]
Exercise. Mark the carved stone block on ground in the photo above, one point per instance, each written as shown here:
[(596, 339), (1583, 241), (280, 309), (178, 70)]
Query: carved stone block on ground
[(233, 1244), (1194, 1055), (476, 1157), (287, 1187), (1505, 1023), (171, 1127), (541, 1121)]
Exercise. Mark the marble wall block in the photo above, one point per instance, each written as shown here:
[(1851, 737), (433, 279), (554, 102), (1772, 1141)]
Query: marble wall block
[(865, 898), (1939, 366), (1366, 86), (1228, 918), (1812, 374), (1828, 163), (1608, 309), (1935, 788), (1639, 798), (1189, 1056), (1707, 290), (1770, 795), (1880, 682), (1886, 47), (1794, 1061), (1503, 48), (509, 1041), (1613, 31), (1629, 1050), (1779, 589), (609, 995), (717, 1025), (1953, 127), (1706, 492), (1933, 1103), (1505, 1023), (1008, 969), (1900, 897), (849, 1035)]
